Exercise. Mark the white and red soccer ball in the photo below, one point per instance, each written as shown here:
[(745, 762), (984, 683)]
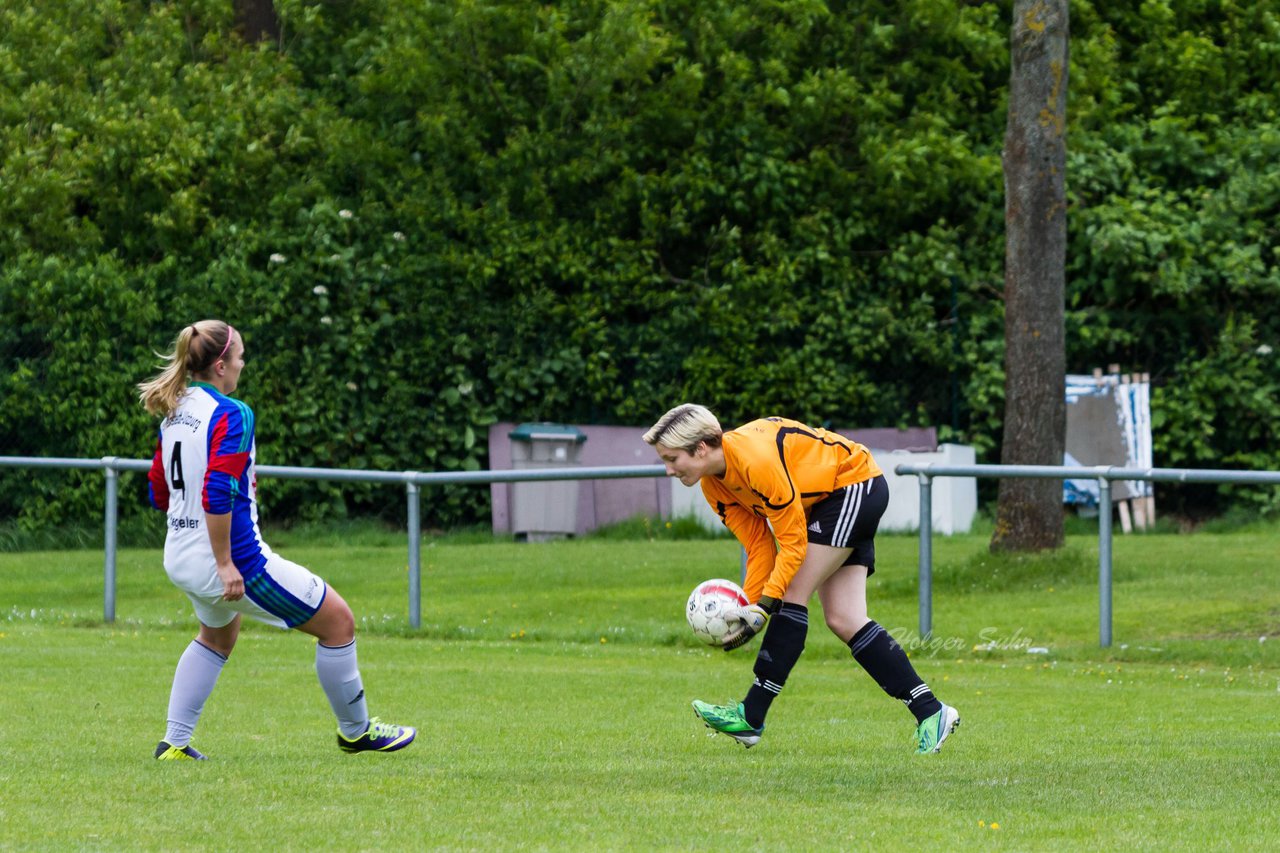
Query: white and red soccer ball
[(707, 606)]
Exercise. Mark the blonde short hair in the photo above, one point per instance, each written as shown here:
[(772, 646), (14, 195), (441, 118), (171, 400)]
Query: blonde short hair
[(684, 427)]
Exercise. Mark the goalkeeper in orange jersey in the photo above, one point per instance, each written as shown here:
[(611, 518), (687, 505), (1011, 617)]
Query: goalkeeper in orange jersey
[(805, 504)]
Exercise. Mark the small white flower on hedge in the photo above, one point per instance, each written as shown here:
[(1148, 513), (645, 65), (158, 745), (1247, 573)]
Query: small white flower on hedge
[(1264, 350), (319, 290), (326, 320), (398, 236), (276, 258), (345, 214)]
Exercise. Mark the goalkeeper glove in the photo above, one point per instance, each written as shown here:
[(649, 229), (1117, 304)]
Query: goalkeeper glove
[(753, 618)]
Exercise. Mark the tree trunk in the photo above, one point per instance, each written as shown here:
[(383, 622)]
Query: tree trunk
[(256, 21), (1029, 513)]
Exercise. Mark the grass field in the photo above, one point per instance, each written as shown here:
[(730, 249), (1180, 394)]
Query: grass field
[(551, 685)]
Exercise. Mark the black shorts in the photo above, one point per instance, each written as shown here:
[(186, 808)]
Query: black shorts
[(848, 518)]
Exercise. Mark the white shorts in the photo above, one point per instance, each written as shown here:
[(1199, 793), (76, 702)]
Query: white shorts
[(283, 594)]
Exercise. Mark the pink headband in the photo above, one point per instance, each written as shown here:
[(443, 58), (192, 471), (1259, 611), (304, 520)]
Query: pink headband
[(231, 333)]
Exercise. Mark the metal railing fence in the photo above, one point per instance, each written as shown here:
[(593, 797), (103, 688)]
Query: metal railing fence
[(1103, 474), (413, 482)]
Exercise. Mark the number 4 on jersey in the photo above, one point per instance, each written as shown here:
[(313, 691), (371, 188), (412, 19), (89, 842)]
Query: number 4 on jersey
[(175, 468)]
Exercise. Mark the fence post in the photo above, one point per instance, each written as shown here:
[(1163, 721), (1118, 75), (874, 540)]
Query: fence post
[(926, 556), (415, 554), (109, 537), (1104, 562)]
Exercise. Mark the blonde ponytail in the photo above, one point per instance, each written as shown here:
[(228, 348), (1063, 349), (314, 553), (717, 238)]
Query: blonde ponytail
[(194, 351)]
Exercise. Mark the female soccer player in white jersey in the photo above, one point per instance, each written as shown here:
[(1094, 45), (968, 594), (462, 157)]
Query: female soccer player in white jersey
[(203, 476)]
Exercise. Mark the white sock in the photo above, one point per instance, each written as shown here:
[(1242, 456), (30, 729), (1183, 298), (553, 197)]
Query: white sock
[(193, 681), (340, 677)]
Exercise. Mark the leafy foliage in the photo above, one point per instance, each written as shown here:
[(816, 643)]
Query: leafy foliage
[(427, 217)]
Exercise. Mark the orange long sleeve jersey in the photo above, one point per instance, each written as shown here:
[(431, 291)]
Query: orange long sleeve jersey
[(775, 470)]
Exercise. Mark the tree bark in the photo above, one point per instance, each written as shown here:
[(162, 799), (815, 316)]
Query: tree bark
[(1029, 514), (256, 20)]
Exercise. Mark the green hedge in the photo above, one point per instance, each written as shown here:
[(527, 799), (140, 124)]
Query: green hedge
[(427, 217)]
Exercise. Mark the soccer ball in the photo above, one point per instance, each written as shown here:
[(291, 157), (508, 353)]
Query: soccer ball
[(707, 605)]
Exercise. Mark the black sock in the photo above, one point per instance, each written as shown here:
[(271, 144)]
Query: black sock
[(783, 642), (885, 661)]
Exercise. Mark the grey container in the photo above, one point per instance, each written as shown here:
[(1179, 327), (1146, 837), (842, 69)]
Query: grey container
[(544, 510)]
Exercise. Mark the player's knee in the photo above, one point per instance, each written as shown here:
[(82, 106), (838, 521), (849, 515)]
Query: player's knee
[(342, 626), (335, 621), (223, 649), (346, 623), (219, 640), (844, 624)]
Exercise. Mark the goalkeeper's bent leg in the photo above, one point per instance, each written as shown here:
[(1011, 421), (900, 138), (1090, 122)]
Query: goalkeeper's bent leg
[(885, 661), (783, 642)]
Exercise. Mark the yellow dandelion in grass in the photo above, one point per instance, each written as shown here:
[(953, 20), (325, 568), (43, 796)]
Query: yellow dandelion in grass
[(603, 640), (982, 824), (995, 826)]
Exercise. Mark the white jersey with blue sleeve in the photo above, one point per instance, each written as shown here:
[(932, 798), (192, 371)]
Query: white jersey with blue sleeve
[(205, 464)]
